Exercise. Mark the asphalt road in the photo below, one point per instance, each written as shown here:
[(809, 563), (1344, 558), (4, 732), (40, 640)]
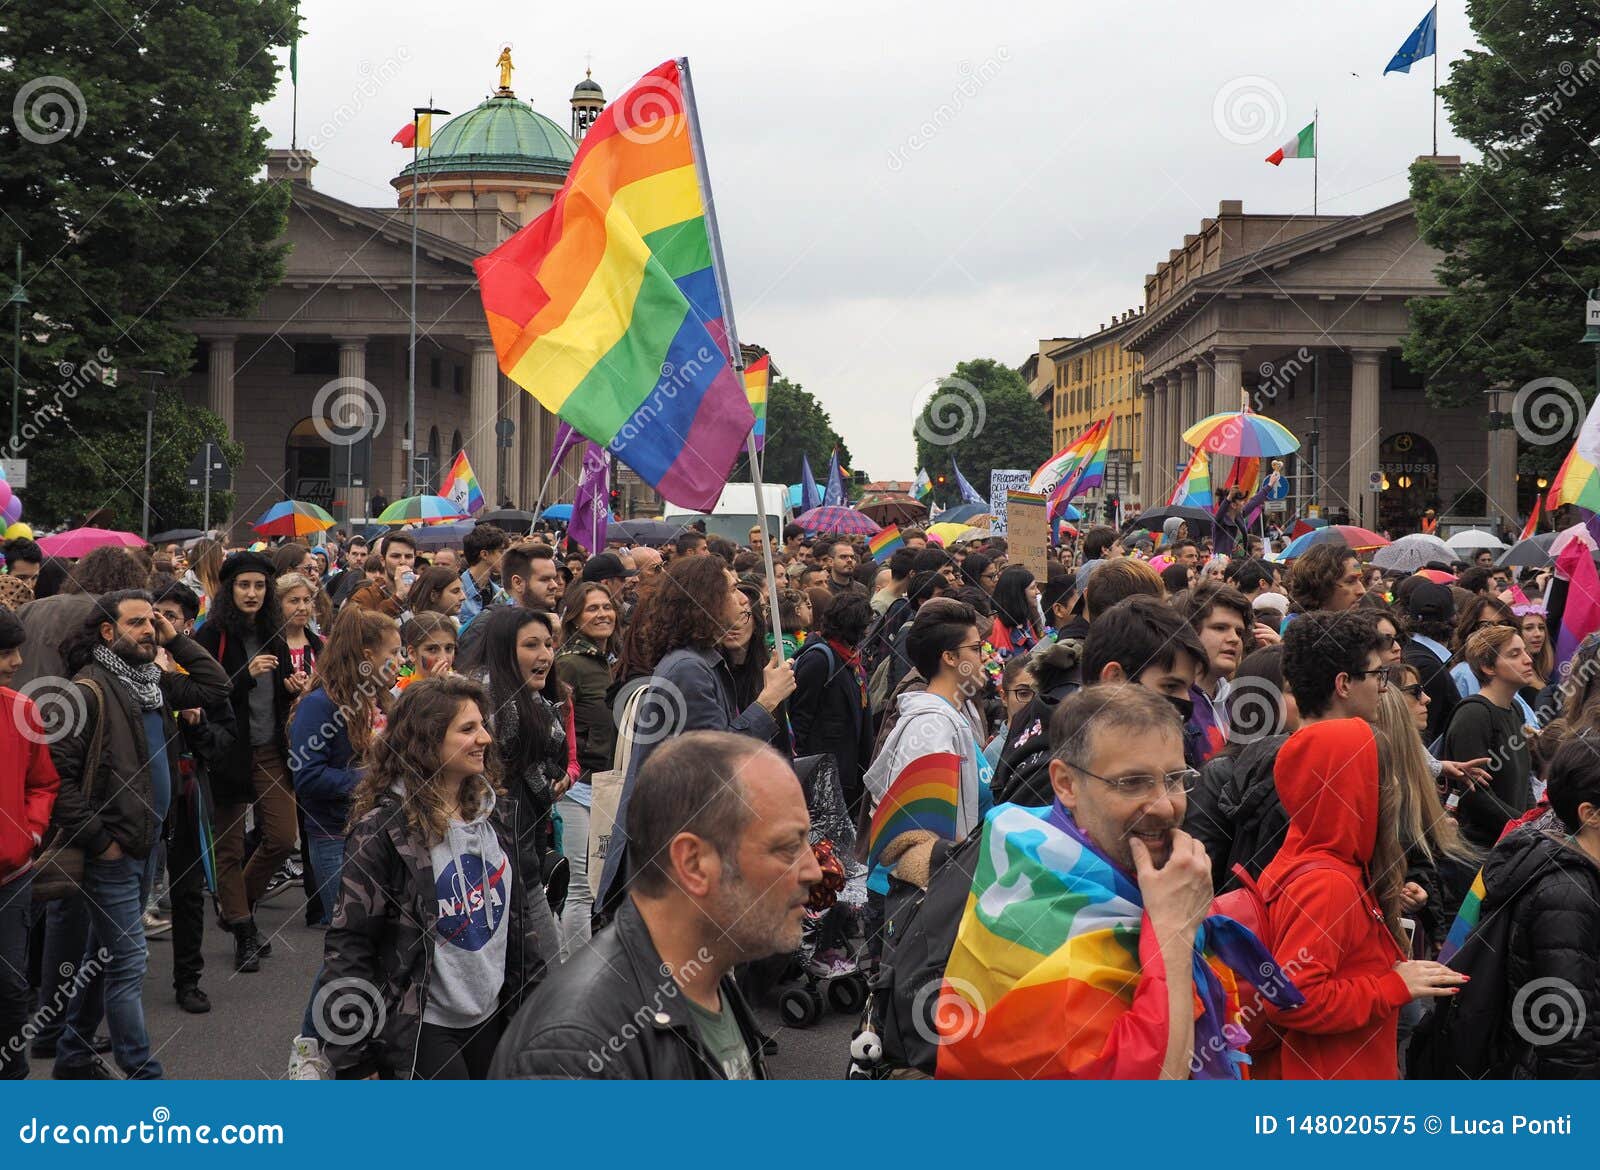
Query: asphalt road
[(253, 1018)]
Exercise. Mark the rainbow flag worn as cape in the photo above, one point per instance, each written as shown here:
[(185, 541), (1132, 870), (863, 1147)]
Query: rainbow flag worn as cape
[(925, 795), (1048, 957), (1466, 920), (1193, 489), (886, 543), (460, 486), (757, 377), (606, 308)]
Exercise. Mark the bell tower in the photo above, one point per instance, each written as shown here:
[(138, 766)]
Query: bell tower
[(587, 102)]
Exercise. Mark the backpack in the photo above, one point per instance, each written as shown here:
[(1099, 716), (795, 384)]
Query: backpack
[(919, 931), (1459, 1039)]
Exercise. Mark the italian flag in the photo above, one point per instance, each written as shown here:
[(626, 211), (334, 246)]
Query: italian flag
[(1302, 145)]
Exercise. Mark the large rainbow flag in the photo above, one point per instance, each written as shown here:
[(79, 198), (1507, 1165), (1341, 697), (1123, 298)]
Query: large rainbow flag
[(607, 310), (1065, 461), (460, 486), (1090, 472), (757, 379), (1041, 980)]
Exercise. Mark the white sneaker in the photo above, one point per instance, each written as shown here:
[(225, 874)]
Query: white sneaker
[(306, 1062)]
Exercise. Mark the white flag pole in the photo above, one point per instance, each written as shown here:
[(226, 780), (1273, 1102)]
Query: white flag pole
[(719, 269)]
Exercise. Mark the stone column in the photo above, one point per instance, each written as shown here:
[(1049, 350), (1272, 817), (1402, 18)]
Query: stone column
[(1155, 453), (1147, 444), (219, 388), (1169, 456), (513, 411), (1364, 435), (1204, 388), (355, 407), (1500, 486), (1191, 389), (1227, 362), (482, 412)]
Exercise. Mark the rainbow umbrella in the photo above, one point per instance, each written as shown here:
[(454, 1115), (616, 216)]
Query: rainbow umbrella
[(1359, 539), (1243, 433), (293, 518), (837, 521), (421, 509), (1306, 524)]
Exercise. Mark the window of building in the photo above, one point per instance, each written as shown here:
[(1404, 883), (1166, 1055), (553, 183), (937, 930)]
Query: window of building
[(316, 357), (435, 372)]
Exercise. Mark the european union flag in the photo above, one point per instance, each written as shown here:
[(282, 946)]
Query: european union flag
[(1419, 45)]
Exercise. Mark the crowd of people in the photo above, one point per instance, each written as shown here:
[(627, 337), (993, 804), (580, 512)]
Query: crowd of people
[(547, 806)]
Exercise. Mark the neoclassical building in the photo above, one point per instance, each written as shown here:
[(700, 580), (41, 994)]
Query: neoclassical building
[(340, 317), (1304, 316)]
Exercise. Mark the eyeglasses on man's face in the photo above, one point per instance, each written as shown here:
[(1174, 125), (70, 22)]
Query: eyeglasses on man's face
[(1145, 786), (1380, 673)]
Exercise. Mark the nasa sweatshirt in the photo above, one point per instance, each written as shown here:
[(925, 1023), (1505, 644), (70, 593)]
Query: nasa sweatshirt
[(472, 883)]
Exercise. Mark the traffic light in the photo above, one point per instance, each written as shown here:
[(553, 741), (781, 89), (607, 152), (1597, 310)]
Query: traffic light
[(941, 479)]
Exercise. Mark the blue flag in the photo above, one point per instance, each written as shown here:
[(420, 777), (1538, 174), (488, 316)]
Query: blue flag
[(809, 496), (834, 495), (969, 494), (1419, 45)]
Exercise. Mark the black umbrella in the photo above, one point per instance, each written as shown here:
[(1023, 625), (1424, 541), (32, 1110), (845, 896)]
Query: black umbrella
[(1153, 517), (173, 535), (648, 532), (511, 519), (1534, 551)]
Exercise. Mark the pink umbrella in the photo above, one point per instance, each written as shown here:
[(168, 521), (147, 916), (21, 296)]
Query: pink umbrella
[(77, 542)]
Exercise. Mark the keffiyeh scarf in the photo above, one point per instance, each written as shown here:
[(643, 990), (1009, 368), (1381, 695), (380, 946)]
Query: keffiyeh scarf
[(143, 681)]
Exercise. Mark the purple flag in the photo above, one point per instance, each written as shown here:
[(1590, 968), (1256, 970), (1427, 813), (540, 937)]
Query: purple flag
[(566, 439), (591, 510)]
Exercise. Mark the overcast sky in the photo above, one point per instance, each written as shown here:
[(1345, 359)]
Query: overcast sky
[(903, 186)]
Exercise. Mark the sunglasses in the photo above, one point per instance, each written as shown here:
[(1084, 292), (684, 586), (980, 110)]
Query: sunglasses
[(1414, 690)]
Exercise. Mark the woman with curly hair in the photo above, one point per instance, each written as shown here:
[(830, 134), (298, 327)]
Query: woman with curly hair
[(344, 708), (675, 660), (432, 917)]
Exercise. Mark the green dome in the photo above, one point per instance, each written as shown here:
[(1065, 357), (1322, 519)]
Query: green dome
[(502, 134)]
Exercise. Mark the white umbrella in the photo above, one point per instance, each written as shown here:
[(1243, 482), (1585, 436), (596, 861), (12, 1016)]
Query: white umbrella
[(1413, 552), (1475, 538)]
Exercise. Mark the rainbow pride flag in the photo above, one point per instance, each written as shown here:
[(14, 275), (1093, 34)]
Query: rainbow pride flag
[(1532, 526), (607, 308), (925, 795), (460, 486), (923, 487), (1065, 461), (1041, 980), (1090, 472), (1466, 920), (1575, 483), (886, 543), (1193, 489), (757, 379), (1245, 474)]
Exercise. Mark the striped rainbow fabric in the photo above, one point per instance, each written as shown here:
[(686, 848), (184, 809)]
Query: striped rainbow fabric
[(925, 795), (886, 543), (1466, 920), (1065, 461), (1193, 489), (1047, 959), (1090, 472), (606, 308), (757, 379)]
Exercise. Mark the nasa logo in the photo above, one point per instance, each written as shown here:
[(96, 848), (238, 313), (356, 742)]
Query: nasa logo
[(466, 897)]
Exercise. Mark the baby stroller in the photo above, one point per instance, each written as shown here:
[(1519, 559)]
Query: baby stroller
[(827, 968)]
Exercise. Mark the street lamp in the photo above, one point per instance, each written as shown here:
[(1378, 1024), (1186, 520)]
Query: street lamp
[(18, 298), (149, 438)]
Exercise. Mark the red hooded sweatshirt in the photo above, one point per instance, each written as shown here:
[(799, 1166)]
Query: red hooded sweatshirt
[(1326, 928)]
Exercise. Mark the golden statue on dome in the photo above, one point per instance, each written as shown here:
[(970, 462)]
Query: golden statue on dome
[(503, 62)]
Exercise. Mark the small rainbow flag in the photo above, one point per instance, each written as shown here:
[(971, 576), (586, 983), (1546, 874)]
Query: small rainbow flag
[(757, 378), (923, 487), (1245, 474), (886, 543), (1466, 920), (1193, 489), (1532, 526), (460, 486), (607, 307), (925, 796)]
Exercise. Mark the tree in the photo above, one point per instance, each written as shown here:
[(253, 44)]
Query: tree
[(797, 425), (129, 178), (1516, 227), (983, 416)]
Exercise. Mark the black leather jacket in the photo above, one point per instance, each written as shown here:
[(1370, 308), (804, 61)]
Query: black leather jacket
[(609, 1013)]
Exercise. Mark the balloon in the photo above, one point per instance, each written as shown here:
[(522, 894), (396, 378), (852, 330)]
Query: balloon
[(19, 532), (5, 493), (12, 511)]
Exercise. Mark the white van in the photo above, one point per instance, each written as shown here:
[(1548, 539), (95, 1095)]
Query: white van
[(735, 513)]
